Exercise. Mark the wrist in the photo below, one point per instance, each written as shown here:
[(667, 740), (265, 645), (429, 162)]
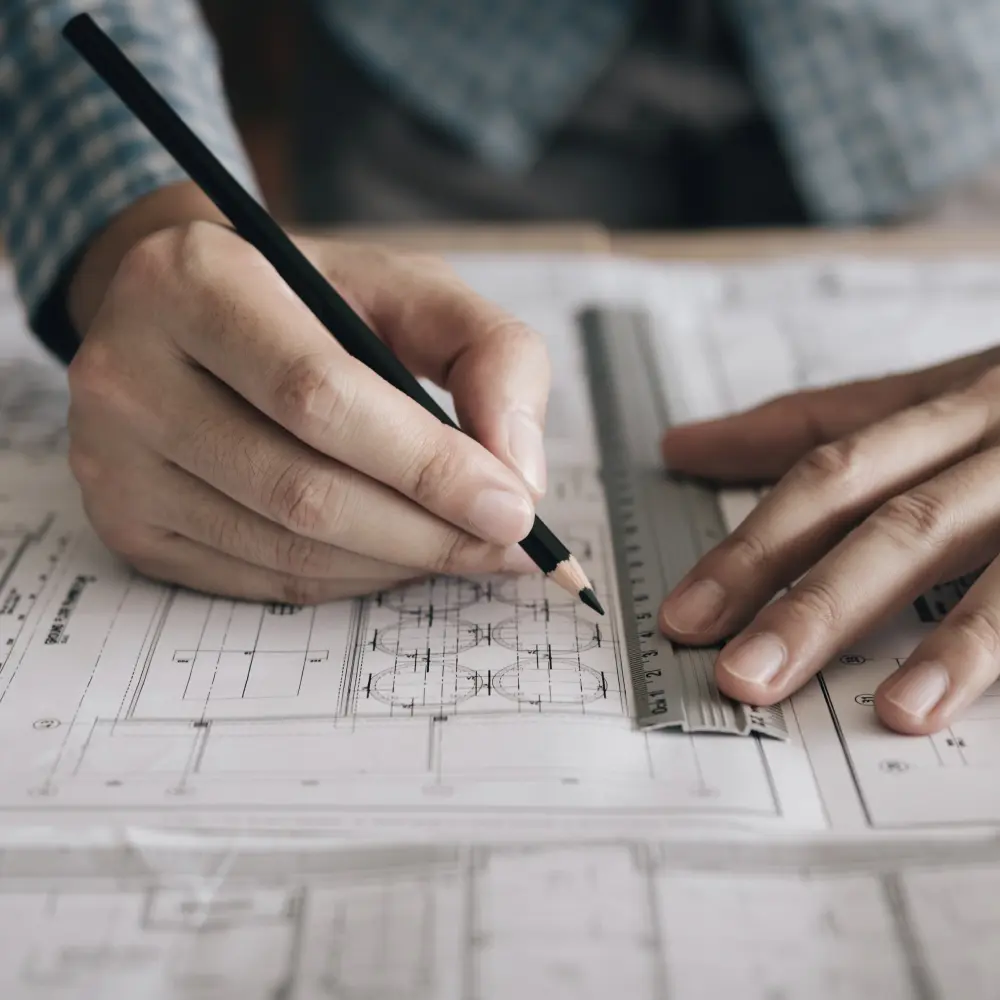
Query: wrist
[(161, 209)]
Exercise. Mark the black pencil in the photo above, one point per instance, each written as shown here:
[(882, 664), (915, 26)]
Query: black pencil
[(258, 228)]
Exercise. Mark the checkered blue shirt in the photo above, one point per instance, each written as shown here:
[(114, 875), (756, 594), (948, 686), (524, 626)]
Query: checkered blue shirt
[(880, 103), (71, 155)]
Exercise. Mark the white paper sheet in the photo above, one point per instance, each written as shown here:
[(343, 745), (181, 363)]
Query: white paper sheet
[(757, 332), (464, 705), (122, 701), (893, 919)]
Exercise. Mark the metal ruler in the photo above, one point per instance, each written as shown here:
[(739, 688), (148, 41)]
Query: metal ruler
[(660, 526)]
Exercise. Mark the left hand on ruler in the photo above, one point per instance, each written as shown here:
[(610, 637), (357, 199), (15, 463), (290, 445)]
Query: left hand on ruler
[(886, 487)]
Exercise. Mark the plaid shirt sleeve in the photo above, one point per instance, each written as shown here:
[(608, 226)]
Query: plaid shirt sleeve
[(71, 155), (882, 104)]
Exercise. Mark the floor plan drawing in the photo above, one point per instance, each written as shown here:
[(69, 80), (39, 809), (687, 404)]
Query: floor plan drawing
[(457, 705), (456, 698), (834, 919), (834, 322)]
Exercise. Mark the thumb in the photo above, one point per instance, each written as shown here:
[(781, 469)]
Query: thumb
[(763, 443)]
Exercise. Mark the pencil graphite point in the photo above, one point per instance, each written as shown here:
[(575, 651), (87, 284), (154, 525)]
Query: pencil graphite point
[(589, 598)]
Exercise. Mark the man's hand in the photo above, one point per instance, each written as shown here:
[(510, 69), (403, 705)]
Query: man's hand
[(223, 440), (886, 487)]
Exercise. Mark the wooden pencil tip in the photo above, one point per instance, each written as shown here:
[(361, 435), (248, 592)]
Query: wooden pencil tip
[(589, 598)]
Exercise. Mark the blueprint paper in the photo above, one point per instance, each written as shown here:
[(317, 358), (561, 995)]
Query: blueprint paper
[(483, 709)]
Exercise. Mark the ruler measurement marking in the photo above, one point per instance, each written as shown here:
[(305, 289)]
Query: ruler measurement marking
[(659, 525)]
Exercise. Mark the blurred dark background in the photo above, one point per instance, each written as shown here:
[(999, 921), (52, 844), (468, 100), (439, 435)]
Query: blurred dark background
[(258, 40), (329, 146)]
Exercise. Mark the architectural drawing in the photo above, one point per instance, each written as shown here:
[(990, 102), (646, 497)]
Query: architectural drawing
[(947, 779), (454, 706), (450, 697), (828, 919), (835, 321)]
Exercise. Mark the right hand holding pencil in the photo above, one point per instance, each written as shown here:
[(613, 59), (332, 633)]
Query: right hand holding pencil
[(224, 441)]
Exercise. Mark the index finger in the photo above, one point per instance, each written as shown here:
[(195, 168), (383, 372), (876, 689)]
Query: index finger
[(250, 332), (495, 366), (763, 443)]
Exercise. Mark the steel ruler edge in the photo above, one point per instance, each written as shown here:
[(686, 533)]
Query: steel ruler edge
[(660, 526)]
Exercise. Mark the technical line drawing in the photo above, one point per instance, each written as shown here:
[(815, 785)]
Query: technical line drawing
[(246, 673), (555, 682), (533, 593), (153, 699), (896, 919), (446, 594), (553, 635), (436, 635), (437, 688), (948, 778)]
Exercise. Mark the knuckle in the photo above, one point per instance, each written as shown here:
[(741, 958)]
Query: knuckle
[(147, 264), (979, 626), (914, 517), (300, 556), (150, 568), (93, 374), (428, 265), (433, 473), (815, 601), (302, 500), (984, 394), (191, 251), (200, 263), (498, 326), (225, 532), (293, 589), (833, 464), (129, 539), (507, 327), (747, 550), (85, 468), (304, 394), (460, 553), (988, 384), (946, 406)]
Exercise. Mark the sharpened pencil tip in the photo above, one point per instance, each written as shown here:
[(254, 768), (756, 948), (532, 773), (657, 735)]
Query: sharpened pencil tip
[(590, 599)]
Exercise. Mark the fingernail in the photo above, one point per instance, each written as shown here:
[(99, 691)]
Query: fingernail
[(516, 560), (501, 517), (695, 608), (918, 690), (527, 451), (756, 661)]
